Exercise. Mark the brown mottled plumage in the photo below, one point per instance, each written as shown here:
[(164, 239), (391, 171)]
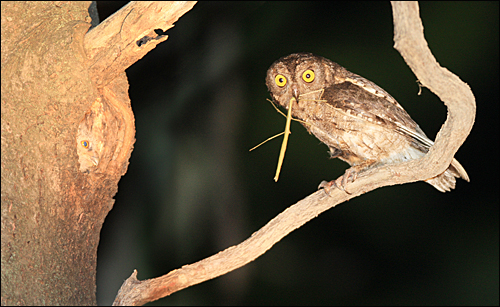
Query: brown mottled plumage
[(360, 122)]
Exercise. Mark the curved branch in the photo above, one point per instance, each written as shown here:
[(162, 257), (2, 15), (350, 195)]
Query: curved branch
[(456, 95), (135, 292)]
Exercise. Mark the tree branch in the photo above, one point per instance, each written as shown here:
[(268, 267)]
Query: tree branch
[(457, 96), (128, 35)]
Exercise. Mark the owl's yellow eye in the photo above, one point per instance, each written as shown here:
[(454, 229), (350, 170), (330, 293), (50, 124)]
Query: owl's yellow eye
[(308, 76), (280, 80), (85, 144)]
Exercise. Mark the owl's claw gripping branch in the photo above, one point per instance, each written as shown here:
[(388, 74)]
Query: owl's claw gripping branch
[(339, 183), (327, 186)]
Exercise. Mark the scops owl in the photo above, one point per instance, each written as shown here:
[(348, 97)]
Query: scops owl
[(88, 156), (89, 140), (360, 122)]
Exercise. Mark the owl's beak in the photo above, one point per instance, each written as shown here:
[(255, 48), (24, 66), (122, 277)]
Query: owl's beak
[(295, 93), (94, 160)]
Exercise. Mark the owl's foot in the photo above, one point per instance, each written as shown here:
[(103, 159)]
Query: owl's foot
[(349, 176), (327, 186), (339, 183)]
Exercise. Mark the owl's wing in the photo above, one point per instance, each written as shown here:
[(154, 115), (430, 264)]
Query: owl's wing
[(371, 87), (364, 99)]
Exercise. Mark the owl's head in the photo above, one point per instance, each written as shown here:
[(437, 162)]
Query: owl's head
[(87, 148), (87, 156), (298, 74)]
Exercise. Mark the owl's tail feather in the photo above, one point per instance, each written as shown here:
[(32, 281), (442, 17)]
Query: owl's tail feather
[(446, 181)]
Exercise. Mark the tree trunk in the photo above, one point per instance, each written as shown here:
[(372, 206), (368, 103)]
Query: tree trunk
[(53, 206)]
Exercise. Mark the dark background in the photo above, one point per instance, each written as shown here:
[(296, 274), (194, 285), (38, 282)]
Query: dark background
[(193, 188)]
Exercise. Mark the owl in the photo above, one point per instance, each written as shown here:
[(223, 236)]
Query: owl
[(88, 156), (89, 140), (359, 121)]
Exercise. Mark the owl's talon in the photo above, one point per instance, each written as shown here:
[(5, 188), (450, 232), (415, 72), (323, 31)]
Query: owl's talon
[(337, 183), (326, 186), (349, 176)]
